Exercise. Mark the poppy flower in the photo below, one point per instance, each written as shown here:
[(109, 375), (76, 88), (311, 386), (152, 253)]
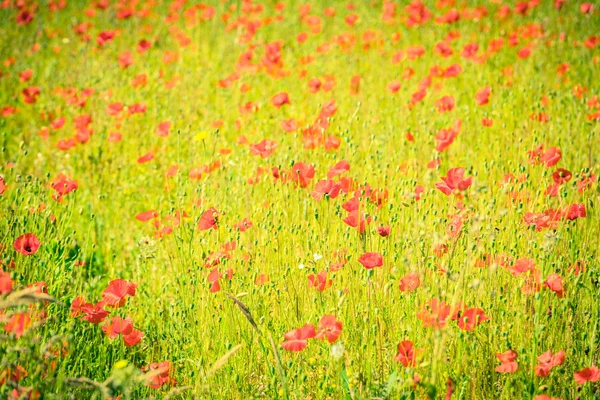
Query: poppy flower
[(326, 187), (371, 260), (146, 215), (302, 174), (289, 125), (338, 169), (410, 282), (5, 282), (159, 374), (18, 324), (264, 148), (208, 219), (163, 129), (123, 327), (445, 137), (329, 328), (547, 361), (551, 156), (93, 313), (280, 99), (561, 176), (115, 292), (554, 283), (482, 97), (383, 231), (27, 244), (297, 339), (434, 314), (445, 104), (454, 181), (590, 374), (471, 318), (509, 365), (319, 281), (407, 354)]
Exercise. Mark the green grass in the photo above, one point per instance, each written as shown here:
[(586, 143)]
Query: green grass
[(195, 329)]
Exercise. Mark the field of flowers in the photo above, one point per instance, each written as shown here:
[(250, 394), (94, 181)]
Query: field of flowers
[(299, 199)]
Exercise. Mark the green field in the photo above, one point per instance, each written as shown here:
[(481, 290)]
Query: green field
[(324, 200)]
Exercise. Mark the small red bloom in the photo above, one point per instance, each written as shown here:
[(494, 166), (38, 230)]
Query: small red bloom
[(590, 374), (509, 365), (407, 354), (482, 97), (298, 338), (371, 260), (115, 292), (280, 99), (27, 244), (454, 181), (208, 219), (471, 318), (329, 328), (264, 148), (410, 282), (554, 283)]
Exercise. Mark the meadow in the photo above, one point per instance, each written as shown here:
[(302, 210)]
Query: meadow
[(299, 199)]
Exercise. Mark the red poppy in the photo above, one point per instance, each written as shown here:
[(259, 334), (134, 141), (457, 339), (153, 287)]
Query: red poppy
[(371, 260), (329, 328), (590, 374), (297, 339), (302, 173), (547, 361), (243, 225), (119, 326), (434, 314), (554, 283), (93, 313), (407, 354), (326, 187), (280, 99), (159, 374), (163, 129), (471, 318), (27, 244), (482, 97), (445, 137), (5, 282), (454, 181), (551, 156), (319, 281), (445, 104), (264, 148), (383, 231), (410, 282), (521, 266), (115, 292), (208, 219), (18, 324), (509, 365), (146, 215), (338, 169)]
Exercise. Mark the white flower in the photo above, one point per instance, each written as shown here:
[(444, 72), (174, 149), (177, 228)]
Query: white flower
[(317, 256), (301, 266), (337, 350)]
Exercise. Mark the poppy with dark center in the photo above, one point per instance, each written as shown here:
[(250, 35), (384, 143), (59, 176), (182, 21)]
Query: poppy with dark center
[(208, 219), (27, 244)]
